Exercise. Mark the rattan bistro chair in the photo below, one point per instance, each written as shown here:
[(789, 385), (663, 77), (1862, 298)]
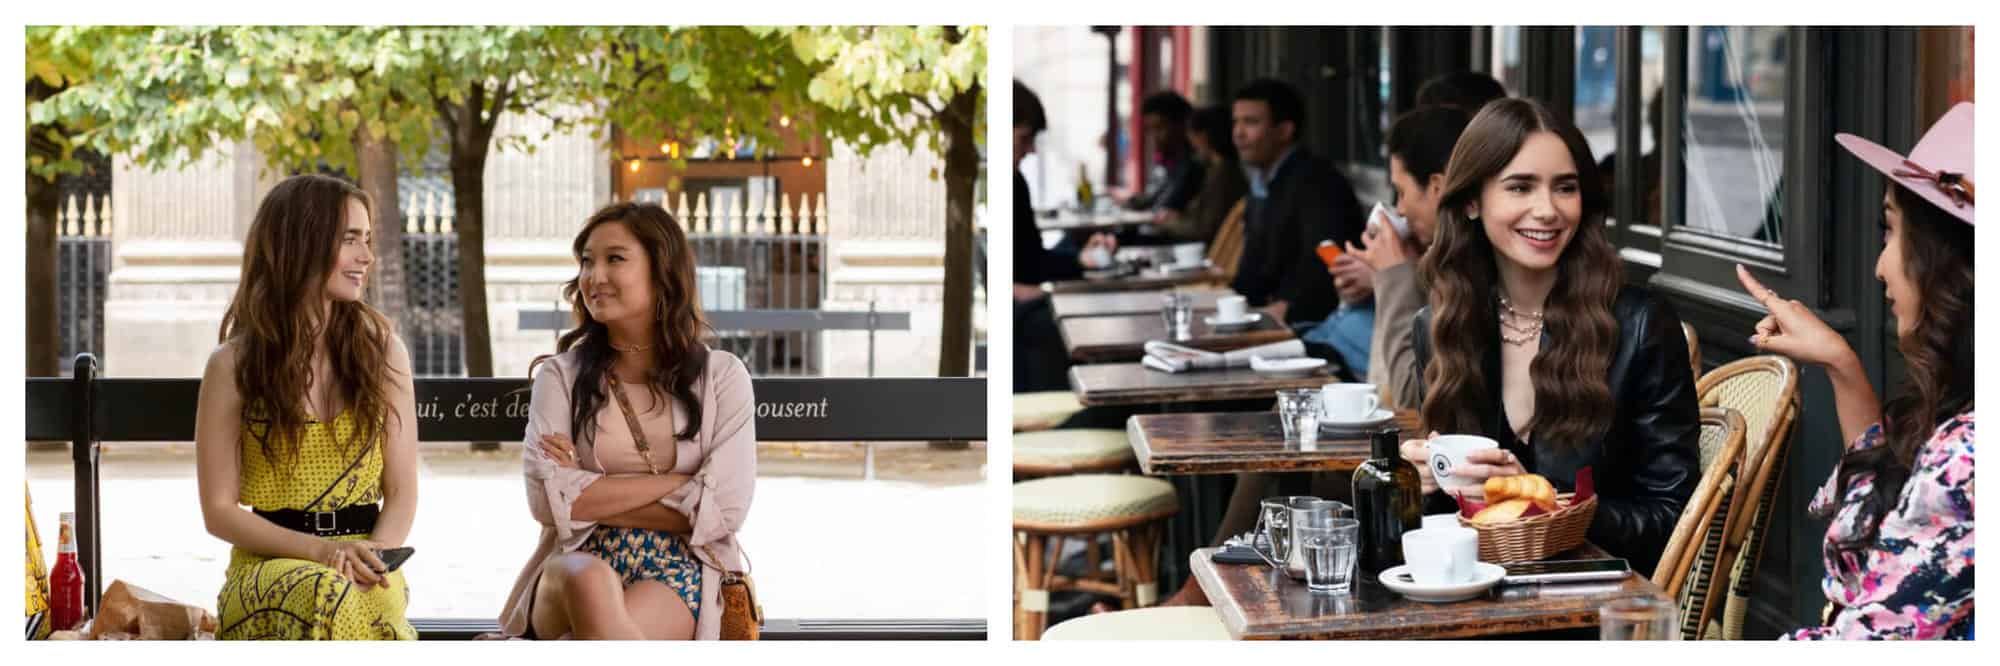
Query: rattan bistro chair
[(1688, 566), (1765, 390), (1166, 623), (1070, 451), (1132, 509), (1043, 410), (1694, 347)]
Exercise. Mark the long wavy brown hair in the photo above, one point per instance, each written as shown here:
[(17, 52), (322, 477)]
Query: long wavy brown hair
[(1937, 352), (677, 308), (275, 319), (1572, 395)]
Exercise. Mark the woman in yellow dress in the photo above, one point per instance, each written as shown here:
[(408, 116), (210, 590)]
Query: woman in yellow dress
[(306, 416)]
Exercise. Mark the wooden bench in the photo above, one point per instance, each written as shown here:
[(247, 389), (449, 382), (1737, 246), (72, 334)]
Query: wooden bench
[(89, 411)]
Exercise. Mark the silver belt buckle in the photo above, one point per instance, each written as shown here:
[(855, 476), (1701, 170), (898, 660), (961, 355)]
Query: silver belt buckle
[(325, 521)]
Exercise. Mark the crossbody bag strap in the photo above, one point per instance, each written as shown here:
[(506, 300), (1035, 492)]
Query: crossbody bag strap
[(632, 422)]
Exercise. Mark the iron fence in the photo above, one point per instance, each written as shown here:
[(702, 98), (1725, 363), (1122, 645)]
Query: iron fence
[(83, 260)]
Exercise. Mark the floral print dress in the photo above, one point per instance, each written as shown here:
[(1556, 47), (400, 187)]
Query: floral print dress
[(1915, 581)]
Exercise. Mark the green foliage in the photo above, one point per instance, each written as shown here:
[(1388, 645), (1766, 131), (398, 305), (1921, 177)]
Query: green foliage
[(879, 77)]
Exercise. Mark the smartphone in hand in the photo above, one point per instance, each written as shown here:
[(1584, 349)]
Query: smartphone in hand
[(1328, 252), (393, 558)]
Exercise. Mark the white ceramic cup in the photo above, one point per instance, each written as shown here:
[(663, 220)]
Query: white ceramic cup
[(1348, 401), (1442, 521), (1448, 453), (1441, 556), (1098, 257), (1189, 254), (1231, 308)]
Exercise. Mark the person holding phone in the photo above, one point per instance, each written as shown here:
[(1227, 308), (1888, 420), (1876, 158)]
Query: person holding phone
[(306, 414), (1899, 543), (1529, 337), (640, 455)]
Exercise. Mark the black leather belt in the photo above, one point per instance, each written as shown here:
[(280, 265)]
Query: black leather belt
[(357, 519)]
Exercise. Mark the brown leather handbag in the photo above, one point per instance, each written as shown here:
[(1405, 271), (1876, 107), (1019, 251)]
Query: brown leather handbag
[(742, 618)]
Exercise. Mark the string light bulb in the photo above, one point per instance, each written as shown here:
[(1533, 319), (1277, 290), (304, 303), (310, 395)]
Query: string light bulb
[(633, 166), (784, 121), (807, 161)]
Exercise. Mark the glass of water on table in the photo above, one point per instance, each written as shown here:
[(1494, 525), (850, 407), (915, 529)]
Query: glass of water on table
[(1299, 409), (1177, 308), (1330, 547)]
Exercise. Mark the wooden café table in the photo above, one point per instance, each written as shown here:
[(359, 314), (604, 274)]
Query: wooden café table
[(1071, 220), (1143, 280), (1226, 443), (1102, 384), (1099, 304), (1124, 337), (1257, 602)]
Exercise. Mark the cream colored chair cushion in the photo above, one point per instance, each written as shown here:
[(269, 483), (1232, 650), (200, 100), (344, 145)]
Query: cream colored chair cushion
[(1051, 448), (1170, 623), (1084, 499), (1043, 410)]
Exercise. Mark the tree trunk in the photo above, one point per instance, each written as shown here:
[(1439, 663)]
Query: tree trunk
[(469, 144), (468, 189), (43, 201), (961, 173), (376, 169)]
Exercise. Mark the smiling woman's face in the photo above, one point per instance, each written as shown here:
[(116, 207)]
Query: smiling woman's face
[(1531, 209), (616, 274), (354, 256)]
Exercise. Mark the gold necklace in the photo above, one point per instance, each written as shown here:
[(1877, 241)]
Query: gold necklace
[(615, 347), (1511, 320)]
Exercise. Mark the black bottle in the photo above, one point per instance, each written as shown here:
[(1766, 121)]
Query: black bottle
[(1388, 501)]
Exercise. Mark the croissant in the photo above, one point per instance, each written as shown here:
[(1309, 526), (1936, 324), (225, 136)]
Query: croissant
[(1503, 511), (1532, 487)]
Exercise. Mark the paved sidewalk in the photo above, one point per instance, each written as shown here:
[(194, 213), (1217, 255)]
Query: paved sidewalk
[(820, 545)]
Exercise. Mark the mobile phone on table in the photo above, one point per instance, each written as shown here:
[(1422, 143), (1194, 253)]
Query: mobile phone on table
[(1566, 571), (393, 558), (1328, 251), (1237, 554)]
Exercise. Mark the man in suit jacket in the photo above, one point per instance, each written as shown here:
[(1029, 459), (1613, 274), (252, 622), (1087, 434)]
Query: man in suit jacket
[(1296, 200)]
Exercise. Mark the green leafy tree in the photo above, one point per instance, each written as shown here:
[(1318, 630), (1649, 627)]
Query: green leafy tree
[(304, 96), (922, 85)]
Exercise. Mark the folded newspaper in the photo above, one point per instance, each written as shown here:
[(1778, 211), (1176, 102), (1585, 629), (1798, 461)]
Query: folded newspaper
[(1169, 357)]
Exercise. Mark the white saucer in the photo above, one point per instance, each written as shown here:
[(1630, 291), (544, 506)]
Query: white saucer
[(1301, 366), (1249, 318), (1380, 417), (1485, 575), (1170, 269)]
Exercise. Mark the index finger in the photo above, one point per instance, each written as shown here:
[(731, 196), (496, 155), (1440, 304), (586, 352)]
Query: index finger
[(1756, 289)]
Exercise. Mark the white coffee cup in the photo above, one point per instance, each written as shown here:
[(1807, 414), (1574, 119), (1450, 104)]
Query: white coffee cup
[(1442, 521), (1348, 401), (1097, 257), (1231, 308), (1448, 453), (1441, 555), (1189, 254)]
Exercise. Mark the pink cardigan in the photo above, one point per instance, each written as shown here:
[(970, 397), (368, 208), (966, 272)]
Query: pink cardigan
[(722, 459)]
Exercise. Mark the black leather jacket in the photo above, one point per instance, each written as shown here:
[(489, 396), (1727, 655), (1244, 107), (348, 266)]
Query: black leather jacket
[(1647, 464)]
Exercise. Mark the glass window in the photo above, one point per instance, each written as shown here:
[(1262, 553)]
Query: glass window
[(1506, 61), (1734, 131), (1596, 103)]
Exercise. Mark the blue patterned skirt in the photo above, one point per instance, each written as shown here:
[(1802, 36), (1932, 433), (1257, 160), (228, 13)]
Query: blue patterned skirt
[(641, 554)]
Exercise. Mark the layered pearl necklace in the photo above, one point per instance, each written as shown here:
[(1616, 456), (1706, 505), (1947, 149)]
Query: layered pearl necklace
[(1526, 327)]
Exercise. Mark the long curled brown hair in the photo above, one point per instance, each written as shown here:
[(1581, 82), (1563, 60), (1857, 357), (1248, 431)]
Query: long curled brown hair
[(1573, 400), (1937, 352), (677, 310), (275, 319)]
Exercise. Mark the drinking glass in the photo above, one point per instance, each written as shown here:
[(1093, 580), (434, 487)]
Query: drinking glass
[(1274, 521), (1331, 550), (1178, 310), (1299, 410), (1637, 619), (1314, 513)]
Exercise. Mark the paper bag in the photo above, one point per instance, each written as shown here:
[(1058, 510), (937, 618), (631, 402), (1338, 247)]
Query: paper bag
[(147, 615)]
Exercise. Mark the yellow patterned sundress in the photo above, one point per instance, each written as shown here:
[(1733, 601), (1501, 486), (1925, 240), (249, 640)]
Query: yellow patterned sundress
[(276, 598)]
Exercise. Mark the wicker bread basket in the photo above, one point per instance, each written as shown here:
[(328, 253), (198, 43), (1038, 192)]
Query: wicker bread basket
[(1536, 538)]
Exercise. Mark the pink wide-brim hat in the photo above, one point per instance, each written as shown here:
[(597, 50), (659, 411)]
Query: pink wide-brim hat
[(1939, 169)]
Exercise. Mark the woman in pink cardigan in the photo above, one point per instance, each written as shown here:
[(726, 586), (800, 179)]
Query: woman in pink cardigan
[(640, 451)]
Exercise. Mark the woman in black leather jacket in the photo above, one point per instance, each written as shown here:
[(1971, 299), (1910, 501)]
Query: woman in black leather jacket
[(1531, 339)]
